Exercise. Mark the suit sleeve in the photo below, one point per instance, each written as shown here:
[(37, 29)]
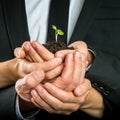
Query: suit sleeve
[(7, 103), (105, 76)]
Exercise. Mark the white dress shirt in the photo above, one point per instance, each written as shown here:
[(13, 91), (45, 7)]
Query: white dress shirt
[(37, 19)]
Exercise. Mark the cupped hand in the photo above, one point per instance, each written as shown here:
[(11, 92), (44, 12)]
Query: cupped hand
[(73, 72), (55, 100)]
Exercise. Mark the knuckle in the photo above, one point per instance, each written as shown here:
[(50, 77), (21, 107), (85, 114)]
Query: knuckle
[(58, 106), (81, 101), (66, 99)]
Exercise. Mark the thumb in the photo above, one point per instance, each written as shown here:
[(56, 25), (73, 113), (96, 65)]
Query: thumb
[(30, 81), (19, 52)]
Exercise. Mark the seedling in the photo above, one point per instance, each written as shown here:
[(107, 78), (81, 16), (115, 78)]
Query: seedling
[(57, 32)]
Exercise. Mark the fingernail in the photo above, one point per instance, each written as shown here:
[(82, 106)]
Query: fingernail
[(33, 45), (83, 56), (26, 47), (47, 85), (39, 89), (78, 54), (61, 55), (34, 93), (38, 75), (59, 60)]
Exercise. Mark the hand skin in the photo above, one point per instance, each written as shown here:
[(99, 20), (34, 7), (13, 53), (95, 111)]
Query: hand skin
[(29, 53), (7, 70), (12, 70), (33, 51), (99, 112), (82, 48), (73, 59), (78, 62), (56, 100), (36, 52), (26, 83), (71, 72)]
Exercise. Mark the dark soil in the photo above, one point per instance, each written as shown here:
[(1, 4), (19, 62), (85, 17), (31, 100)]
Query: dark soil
[(56, 46)]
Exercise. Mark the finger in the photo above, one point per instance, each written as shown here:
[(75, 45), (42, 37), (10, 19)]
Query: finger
[(78, 45), (63, 53), (46, 97), (64, 96), (29, 81), (33, 100), (83, 67), (31, 52), (28, 57), (19, 52), (56, 103), (54, 73), (39, 102), (49, 65), (68, 70), (83, 88), (26, 47), (67, 73), (42, 51), (78, 72)]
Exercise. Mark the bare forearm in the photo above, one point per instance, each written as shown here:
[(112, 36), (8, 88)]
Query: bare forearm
[(7, 73)]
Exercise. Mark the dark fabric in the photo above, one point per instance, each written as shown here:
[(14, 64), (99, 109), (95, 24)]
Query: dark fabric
[(13, 27), (58, 9), (7, 103), (79, 115), (98, 25)]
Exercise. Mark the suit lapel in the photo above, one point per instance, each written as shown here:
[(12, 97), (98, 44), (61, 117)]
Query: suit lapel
[(85, 19), (15, 20)]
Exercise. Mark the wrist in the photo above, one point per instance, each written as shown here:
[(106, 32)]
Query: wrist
[(93, 104), (7, 73), (12, 66)]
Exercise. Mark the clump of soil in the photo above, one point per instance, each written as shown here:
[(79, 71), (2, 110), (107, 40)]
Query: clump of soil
[(56, 46)]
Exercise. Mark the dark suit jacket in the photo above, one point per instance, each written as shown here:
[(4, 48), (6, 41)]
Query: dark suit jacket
[(98, 25)]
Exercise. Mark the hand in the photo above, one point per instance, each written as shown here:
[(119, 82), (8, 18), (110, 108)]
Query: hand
[(80, 46), (24, 85), (35, 52), (18, 68), (24, 67), (55, 100), (73, 72)]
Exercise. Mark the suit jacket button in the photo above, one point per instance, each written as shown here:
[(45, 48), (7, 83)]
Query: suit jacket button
[(106, 92), (101, 88)]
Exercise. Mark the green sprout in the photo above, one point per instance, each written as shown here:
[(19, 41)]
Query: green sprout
[(57, 32)]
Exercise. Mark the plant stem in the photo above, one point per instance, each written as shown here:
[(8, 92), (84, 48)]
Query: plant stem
[(56, 36)]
